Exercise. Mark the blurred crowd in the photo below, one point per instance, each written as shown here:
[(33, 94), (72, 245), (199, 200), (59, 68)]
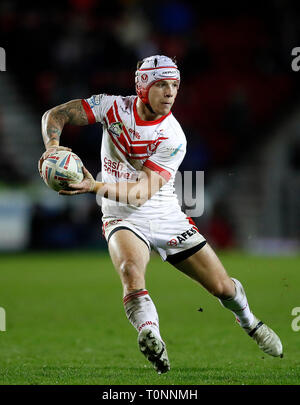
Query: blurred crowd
[(234, 57)]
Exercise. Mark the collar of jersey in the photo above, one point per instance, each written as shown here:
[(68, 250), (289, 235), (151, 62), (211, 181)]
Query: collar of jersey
[(141, 122)]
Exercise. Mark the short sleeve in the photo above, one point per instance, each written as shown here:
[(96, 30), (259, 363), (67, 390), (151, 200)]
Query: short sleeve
[(167, 158), (97, 106)]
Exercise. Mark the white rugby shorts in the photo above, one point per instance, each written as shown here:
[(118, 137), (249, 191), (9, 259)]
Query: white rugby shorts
[(174, 240)]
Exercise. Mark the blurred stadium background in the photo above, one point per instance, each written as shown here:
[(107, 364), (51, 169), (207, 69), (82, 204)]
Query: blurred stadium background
[(239, 105)]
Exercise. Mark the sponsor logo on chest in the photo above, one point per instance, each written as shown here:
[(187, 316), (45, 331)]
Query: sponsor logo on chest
[(134, 133)]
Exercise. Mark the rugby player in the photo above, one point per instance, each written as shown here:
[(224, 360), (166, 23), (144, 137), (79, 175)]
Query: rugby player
[(143, 146)]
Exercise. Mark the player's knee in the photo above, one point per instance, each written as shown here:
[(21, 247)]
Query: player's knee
[(223, 289), (131, 274)]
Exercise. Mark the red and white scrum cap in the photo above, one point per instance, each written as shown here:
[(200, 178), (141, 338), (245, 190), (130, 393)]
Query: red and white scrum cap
[(153, 69)]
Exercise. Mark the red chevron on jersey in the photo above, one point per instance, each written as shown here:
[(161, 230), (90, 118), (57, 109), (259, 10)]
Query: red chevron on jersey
[(133, 149), (122, 145), (110, 115), (117, 139), (131, 141)]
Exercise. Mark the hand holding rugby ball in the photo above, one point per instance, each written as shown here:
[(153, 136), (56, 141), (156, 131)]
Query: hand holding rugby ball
[(62, 168)]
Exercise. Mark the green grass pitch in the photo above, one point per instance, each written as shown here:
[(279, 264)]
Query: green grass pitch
[(65, 323)]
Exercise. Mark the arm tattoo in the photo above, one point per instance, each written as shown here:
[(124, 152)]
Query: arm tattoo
[(53, 132), (55, 119)]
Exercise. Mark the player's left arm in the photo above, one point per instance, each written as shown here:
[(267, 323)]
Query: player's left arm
[(134, 193)]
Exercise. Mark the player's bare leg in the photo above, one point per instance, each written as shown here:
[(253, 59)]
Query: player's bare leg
[(130, 256), (205, 268)]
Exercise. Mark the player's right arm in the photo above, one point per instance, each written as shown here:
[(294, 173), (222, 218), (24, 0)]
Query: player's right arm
[(53, 122)]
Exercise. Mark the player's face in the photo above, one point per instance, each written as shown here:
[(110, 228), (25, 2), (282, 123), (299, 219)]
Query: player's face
[(162, 95)]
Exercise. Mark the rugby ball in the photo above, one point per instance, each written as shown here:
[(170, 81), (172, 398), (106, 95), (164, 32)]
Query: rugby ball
[(62, 168)]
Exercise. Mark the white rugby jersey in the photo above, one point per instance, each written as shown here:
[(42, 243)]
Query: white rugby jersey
[(128, 144)]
